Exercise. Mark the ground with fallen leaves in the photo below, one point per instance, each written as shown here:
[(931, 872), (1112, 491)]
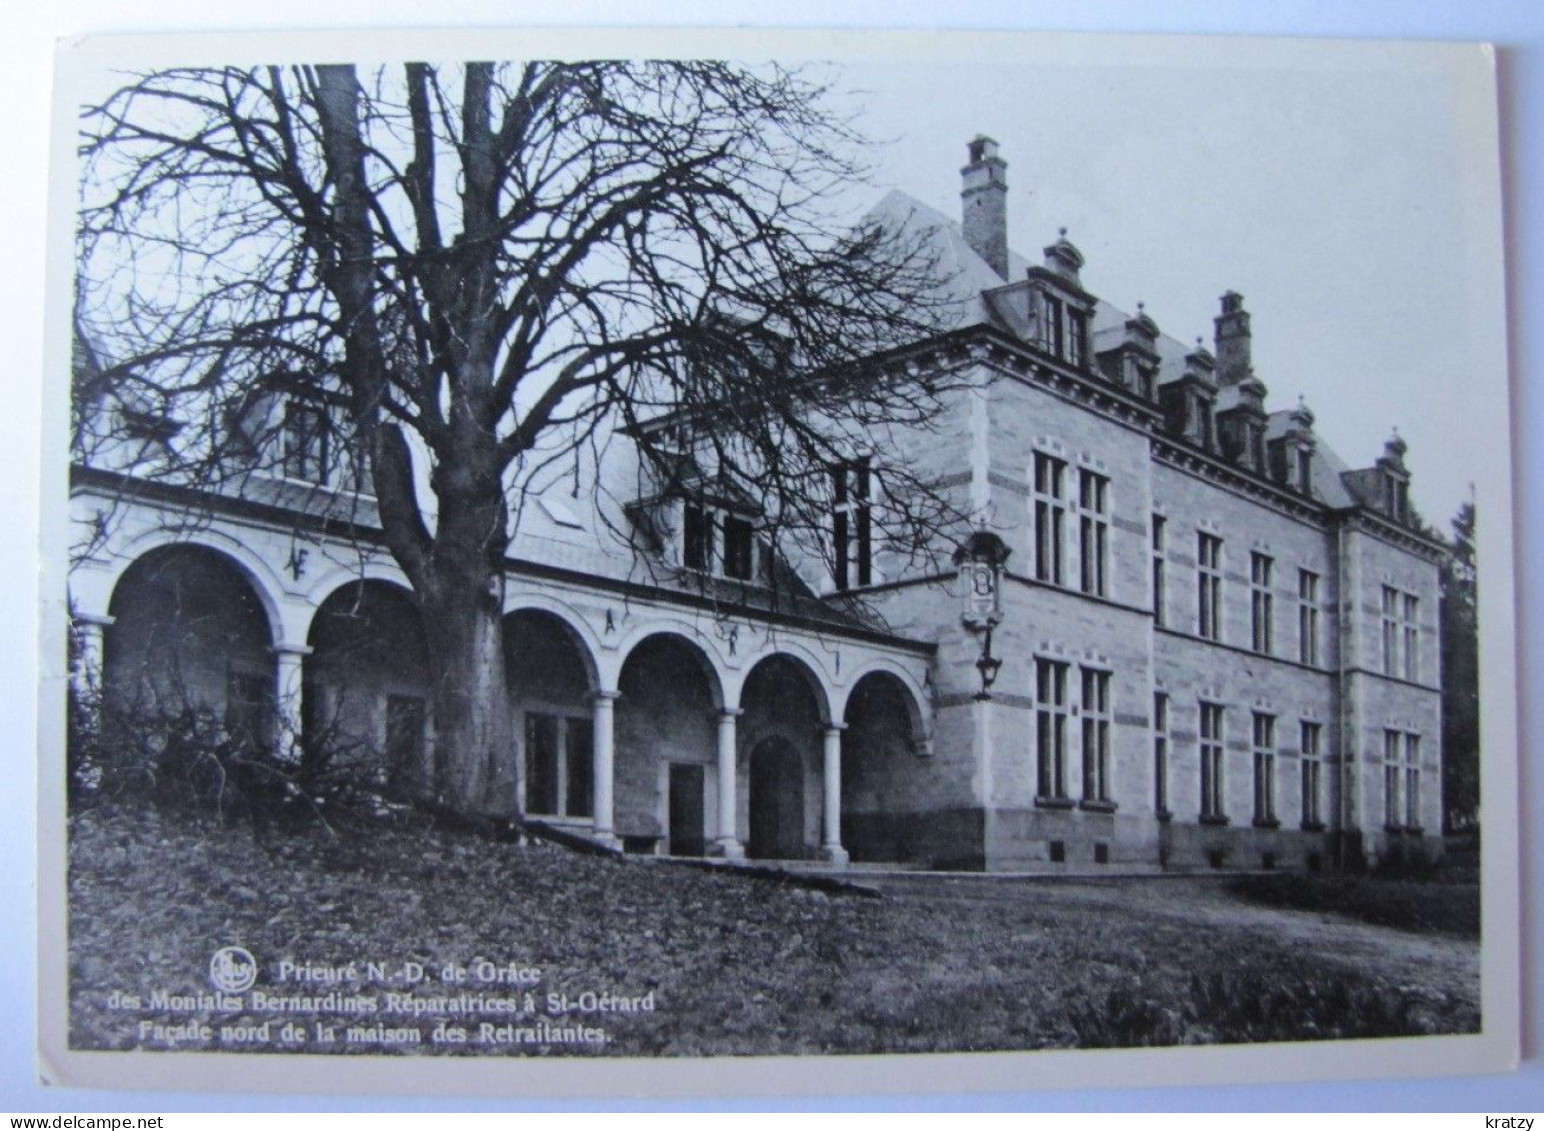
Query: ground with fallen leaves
[(730, 964)]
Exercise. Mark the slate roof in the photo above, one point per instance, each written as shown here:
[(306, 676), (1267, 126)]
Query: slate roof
[(970, 300)]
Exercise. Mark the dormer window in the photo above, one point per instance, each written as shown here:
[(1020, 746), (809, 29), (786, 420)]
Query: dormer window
[(1052, 334), (1305, 471), (721, 543), (304, 442), (1396, 497), (697, 538), (1062, 330), (1077, 338), (739, 548), (1147, 381)]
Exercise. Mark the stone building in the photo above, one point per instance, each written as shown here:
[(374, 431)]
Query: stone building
[(1182, 633)]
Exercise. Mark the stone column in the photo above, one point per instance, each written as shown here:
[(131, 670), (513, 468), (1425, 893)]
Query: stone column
[(288, 690), (832, 848), (728, 842), (603, 769), (90, 633)]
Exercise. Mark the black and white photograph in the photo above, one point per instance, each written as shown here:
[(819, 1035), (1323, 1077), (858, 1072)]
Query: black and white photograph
[(775, 549)]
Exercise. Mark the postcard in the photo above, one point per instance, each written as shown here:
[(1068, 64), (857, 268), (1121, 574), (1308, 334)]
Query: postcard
[(699, 561)]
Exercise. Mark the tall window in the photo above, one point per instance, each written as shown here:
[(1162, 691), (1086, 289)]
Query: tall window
[(1264, 768), (1095, 704), (1052, 333), (739, 548), (1261, 611), (1161, 753), (1304, 470), (1390, 630), (1077, 338), (1307, 617), (559, 768), (1050, 517), (1310, 737), (1411, 637), (1211, 761), (1051, 727), (1209, 585), (1392, 746), (852, 523), (1093, 531), (304, 440), (1159, 524), (697, 538), (1412, 781)]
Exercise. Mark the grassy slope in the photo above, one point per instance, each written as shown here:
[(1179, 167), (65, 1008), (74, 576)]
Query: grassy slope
[(737, 965)]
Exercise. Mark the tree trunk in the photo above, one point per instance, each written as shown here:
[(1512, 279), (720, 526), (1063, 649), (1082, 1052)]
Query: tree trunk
[(474, 767)]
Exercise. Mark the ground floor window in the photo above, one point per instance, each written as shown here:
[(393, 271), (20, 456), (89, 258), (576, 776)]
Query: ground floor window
[(559, 764), (1211, 761), (1264, 768), (1161, 753), (1051, 727), (1309, 747), (1391, 775), (1096, 735), (1412, 781)]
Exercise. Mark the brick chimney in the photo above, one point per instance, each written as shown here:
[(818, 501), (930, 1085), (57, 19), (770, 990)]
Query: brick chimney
[(1233, 360), (984, 204)]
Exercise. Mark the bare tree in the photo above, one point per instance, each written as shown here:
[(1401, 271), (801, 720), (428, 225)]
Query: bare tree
[(483, 269)]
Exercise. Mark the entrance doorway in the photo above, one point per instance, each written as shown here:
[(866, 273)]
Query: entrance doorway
[(687, 835), (776, 801)]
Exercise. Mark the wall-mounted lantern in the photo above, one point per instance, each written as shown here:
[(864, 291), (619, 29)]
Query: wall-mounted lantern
[(980, 564)]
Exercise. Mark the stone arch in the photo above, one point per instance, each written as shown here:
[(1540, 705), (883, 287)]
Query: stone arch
[(666, 744), (366, 700), (791, 665), (880, 768), (191, 635), (265, 584), (338, 574), (715, 666), (552, 678), (785, 712), (575, 630)]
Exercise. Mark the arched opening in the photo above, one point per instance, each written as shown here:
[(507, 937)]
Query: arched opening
[(777, 779), (190, 639), (878, 763), (550, 698), (666, 747), (784, 713), (366, 699)]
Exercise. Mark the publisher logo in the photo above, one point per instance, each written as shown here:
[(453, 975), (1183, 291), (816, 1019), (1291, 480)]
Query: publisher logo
[(232, 969)]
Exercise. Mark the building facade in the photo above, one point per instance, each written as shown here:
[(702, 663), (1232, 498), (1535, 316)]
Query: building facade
[(1180, 633)]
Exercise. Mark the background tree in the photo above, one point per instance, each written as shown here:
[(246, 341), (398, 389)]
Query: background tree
[(485, 269), (1460, 678)]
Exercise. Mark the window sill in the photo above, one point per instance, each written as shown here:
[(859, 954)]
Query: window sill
[(1312, 826), (1164, 815), (1054, 803), (1214, 819), (1416, 831), (1266, 823), (1097, 805)]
